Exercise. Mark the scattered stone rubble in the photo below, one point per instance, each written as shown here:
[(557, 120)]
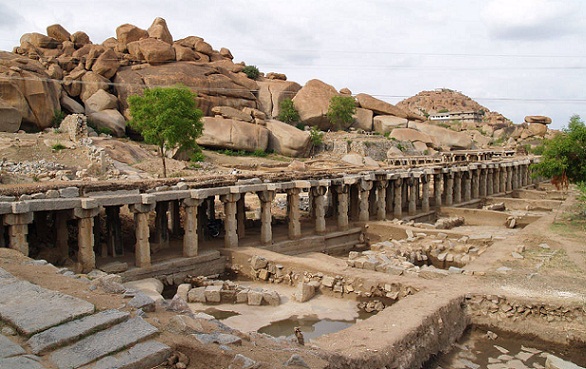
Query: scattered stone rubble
[(426, 256)]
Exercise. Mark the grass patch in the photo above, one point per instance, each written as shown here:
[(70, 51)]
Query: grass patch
[(58, 147)]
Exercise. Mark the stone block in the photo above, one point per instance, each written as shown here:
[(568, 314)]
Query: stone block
[(143, 302), (21, 362), (183, 290), (255, 298), (196, 295), (305, 292), (143, 355), (242, 296), (9, 348), (272, 298), (219, 338), (263, 274), (212, 294), (328, 281), (69, 192), (258, 262)]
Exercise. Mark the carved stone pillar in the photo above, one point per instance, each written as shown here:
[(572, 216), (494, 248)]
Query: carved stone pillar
[(190, 225), (142, 249), (467, 186), (18, 231), (320, 208), (476, 183), (482, 191), (365, 187), (457, 187), (293, 213), (496, 181), (341, 192), (230, 223), (449, 178), (266, 217), (509, 179), (398, 210), (381, 199), (425, 193), (502, 179), (412, 196), (437, 190), (85, 238), (489, 181)]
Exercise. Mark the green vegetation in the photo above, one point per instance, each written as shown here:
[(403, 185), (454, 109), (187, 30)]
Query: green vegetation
[(258, 153), (287, 112), (168, 118), (197, 155), (565, 154), (316, 136), (58, 116), (58, 147), (251, 71), (341, 111), (443, 111), (401, 147)]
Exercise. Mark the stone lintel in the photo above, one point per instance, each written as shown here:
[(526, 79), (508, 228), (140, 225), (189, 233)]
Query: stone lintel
[(85, 213), (368, 176), (119, 200), (320, 182), (5, 207), (302, 184), (171, 195), (20, 207), (141, 208), (248, 188), (192, 202), (116, 193), (148, 199), (204, 193), (89, 203)]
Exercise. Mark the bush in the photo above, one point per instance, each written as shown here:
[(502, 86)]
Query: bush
[(58, 116), (316, 136), (287, 112), (341, 111), (300, 126), (251, 71), (197, 155), (58, 147)]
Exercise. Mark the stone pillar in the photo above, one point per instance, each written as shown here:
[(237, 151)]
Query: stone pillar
[(293, 214), (425, 193), (241, 216), (372, 200), (320, 208), (503, 179), (85, 238), (412, 196), (496, 181), (354, 207), (114, 231), (405, 195), (467, 186), (161, 234), (175, 218), (457, 187), (390, 196), (381, 200), (449, 178), (509, 179), (437, 190), (365, 187), (230, 222), (190, 225), (18, 231), (142, 248), (523, 175), (61, 233), (482, 187), (341, 192), (489, 181), (266, 217), (398, 210), (476, 183)]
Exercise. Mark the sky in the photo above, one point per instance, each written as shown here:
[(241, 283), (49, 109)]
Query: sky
[(517, 57)]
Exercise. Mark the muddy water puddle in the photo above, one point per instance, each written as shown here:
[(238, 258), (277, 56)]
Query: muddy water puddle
[(478, 349)]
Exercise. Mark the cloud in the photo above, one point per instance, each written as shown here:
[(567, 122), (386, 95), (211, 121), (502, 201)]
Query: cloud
[(9, 17), (530, 19)]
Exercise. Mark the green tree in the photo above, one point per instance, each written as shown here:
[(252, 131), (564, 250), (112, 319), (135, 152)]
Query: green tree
[(167, 117), (341, 111), (287, 112), (251, 71), (565, 153)]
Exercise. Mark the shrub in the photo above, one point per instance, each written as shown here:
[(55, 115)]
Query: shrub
[(58, 147), (287, 112), (300, 126), (251, 71), (58, 116), (341, 111), (316, 136), (443, 111)]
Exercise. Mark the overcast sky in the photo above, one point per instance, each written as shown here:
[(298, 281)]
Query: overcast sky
[(517, 57)]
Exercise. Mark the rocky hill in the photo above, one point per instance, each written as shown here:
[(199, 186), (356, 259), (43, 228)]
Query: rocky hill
[(443, 99)]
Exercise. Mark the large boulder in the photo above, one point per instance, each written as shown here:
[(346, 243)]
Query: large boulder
[(59, 33), (231, 113), (363, 119), (382, 107), (386, 123), (91, 83), (538, 129), (160, 31), (412, 135), (110, 119), (272, 92), (288, 140), (106, 64), (537, 119), (80, 39), (233, 134), (70, 105), (128, 33), (39, 40), (30, 90), (156, 51), (312, 103), (213, 88), (10, 118), (443, 136), (183, 53), (99, 101)]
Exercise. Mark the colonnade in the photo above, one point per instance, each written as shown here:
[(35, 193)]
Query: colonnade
[(335, 204)]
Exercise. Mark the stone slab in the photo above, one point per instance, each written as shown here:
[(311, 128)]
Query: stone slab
[(9, 348), (31, 309), (74, 330), (21, 362), (145, 355), (103, 343)]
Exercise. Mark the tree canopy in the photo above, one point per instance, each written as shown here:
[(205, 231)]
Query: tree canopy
[(167, 117), (341, 111), (565, 154)]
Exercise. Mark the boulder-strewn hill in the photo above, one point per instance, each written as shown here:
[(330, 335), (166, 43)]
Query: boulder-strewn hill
[(432, 102)]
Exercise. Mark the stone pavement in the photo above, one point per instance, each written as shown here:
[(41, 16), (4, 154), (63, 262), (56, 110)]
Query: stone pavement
[(57, 330)]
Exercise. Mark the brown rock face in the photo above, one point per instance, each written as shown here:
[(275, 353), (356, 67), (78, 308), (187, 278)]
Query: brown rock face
[(312, 103), (226, 53), (382, 107), (386, 123), (160, 31), (231, 113), (39, 40), (91, 83), (29, 91), (10, 118), (128, 33), (80, 39), (59, 33), (233, 134), (537, 119), (156, 51), (288, 140), (407, 134), (443, 136), (107, 64), (212, 88), (183, 53), (363, 119), (538, 129)]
